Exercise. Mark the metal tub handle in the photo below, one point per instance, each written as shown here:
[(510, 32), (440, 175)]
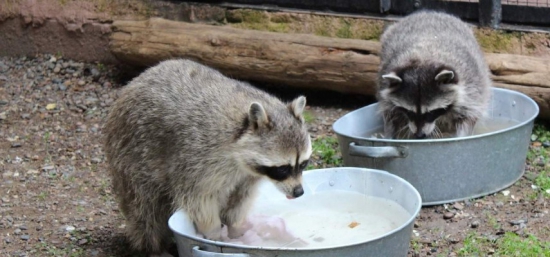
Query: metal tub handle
[(197, 252), (378, 151)]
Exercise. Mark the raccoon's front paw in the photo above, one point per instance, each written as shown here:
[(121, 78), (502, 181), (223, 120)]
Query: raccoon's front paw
[(214, 234), (238, 230)]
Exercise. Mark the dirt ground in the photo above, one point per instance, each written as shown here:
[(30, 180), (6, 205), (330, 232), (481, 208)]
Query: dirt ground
[(55, 192)]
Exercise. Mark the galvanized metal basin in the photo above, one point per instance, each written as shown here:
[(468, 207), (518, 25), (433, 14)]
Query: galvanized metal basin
[(449, 169), (365, 181)]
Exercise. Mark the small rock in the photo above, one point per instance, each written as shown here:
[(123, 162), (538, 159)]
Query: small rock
[(5, 200), (62, 87), (17, 231), (51, 106), (15, 145), (82, 241), (23, 227), (25, 116), (57, 69), (546, 143), (81, 82), (506, 192), (517, 222), (95, 73), (95, 160), (70, 228), (3, 67), (448, 215), (7, 240), (3, 116), (458, 206), (48, 168), (25, 237), (32, 172), (474, 224)]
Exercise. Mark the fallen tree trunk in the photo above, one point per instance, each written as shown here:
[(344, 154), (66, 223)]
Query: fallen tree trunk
[(296, 60), (343, 65)]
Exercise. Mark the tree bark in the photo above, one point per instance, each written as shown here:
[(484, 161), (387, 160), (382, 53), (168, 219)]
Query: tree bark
[(343, 65)]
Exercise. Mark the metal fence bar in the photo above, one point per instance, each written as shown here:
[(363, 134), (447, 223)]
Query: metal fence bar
[(490, 13)]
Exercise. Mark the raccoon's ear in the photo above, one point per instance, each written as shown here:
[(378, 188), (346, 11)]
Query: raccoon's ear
[(257, 115), (445, 76), (297, 106), (392, 77)]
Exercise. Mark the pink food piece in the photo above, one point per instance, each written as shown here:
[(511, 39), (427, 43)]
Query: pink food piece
[(258, 229)]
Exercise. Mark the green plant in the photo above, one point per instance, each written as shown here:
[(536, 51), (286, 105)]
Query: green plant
[(542, 181), (308, 117), (492, 221), (512, 245), (326, 149), (42, 196), (474, 246)]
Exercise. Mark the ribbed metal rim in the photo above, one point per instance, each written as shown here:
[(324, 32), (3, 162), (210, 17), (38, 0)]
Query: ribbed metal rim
[(427, 141), (384, 173)]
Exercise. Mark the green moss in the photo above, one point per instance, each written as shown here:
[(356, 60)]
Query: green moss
[(247, 16), (369, 30), (496, 41), (281, 18), (273, 27), (345, 29)]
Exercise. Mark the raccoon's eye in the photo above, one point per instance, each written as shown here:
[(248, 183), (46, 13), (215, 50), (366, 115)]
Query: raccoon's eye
[(433, 115), (283, 170), (409, 114), (278, 173), (304, 164)]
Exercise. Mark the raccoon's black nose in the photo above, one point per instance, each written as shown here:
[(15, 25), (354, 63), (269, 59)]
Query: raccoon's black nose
[(420, 135), (297, 191)]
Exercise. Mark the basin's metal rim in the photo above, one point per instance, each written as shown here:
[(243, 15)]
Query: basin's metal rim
[(416, 141), (385, 173)]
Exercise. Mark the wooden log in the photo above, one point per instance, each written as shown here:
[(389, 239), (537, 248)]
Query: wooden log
[(296, 60), (343, 65)]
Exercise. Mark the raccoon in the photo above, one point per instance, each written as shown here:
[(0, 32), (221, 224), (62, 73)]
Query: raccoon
[(433, 79), (184, 136)]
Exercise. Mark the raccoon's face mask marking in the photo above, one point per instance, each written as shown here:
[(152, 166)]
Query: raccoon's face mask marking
[(277, 145), (422, 124), (287, 178), (420, 94)]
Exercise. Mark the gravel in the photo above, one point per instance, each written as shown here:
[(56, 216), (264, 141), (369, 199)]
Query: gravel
[(55, 191)]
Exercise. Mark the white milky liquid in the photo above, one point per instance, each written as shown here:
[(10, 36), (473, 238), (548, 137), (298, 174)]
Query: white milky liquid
[(481, 127), (332, 218)]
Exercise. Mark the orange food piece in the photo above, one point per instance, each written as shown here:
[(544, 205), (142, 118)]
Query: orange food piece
[(353, 224)]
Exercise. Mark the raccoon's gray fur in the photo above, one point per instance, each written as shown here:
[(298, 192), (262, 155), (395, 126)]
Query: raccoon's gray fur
[(182, 135), (433, 78)]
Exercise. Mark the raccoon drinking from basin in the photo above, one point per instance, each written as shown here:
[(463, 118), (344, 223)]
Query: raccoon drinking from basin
[(433, 79), (183, 136)]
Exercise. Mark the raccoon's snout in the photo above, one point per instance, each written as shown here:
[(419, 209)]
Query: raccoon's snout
[(420, 134), (298, 191)]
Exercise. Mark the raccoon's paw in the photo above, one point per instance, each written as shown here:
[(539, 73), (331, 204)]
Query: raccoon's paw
[(215, 234), (238, 230)]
